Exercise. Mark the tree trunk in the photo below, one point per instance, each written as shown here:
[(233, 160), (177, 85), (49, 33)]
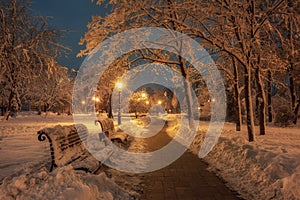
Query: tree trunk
[(183, 72), (269, 87), (2, 110), (257, 105), (295, 105), (261, 103), (110, 114), (238, 119), (9, 108), (40, 108), (292, 86), (291, 60), (6, 115), (249, 105), (187, 90), (296, 111), (182, 69)]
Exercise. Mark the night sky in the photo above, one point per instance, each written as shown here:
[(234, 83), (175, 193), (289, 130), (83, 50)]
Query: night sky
[(71, 15)]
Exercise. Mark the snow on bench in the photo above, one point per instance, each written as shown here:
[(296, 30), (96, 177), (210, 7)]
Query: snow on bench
[(67, 148), (108, 128)]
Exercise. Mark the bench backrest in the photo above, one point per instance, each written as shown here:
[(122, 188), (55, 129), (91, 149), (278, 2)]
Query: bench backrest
[(107, 126), (65, 142)]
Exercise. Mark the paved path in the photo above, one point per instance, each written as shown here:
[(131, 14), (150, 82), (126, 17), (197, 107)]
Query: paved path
[(185, 179)]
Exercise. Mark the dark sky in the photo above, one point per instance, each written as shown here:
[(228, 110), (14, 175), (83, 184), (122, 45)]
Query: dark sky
[(71, 15)]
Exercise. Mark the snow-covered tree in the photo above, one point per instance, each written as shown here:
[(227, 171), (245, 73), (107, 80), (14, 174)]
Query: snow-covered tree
[(27, 50), (284, 30), (52, 89), (246, 33), (131, 14), (238, 28)]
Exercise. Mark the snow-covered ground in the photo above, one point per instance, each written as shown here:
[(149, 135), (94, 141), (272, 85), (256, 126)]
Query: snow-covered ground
[(24, 166), (20, 148), (268, 168)]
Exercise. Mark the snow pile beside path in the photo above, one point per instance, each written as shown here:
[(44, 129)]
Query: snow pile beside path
[(268, 168), (62, 183)]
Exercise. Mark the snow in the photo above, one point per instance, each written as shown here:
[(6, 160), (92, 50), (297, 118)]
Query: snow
[(268, 168), (25, 163), (20, 148), (62, 183)]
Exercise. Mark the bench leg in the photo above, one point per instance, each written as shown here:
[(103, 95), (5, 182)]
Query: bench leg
[(42, 137)]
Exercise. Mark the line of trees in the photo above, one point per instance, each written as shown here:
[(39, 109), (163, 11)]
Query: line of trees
[(255, 43), (28, 70)]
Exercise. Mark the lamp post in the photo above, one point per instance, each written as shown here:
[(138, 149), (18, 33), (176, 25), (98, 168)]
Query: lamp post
[(119, 86)]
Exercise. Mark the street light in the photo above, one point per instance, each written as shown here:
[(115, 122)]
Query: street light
[(96, 101), (83, 106), (119, 86), (159, 102)]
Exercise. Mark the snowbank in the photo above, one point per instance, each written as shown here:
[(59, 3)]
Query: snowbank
[(22, 175), (62, 183), (268, 168)]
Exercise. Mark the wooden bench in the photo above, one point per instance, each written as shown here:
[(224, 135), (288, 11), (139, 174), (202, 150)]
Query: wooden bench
[(67, 148), (108, 128)]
